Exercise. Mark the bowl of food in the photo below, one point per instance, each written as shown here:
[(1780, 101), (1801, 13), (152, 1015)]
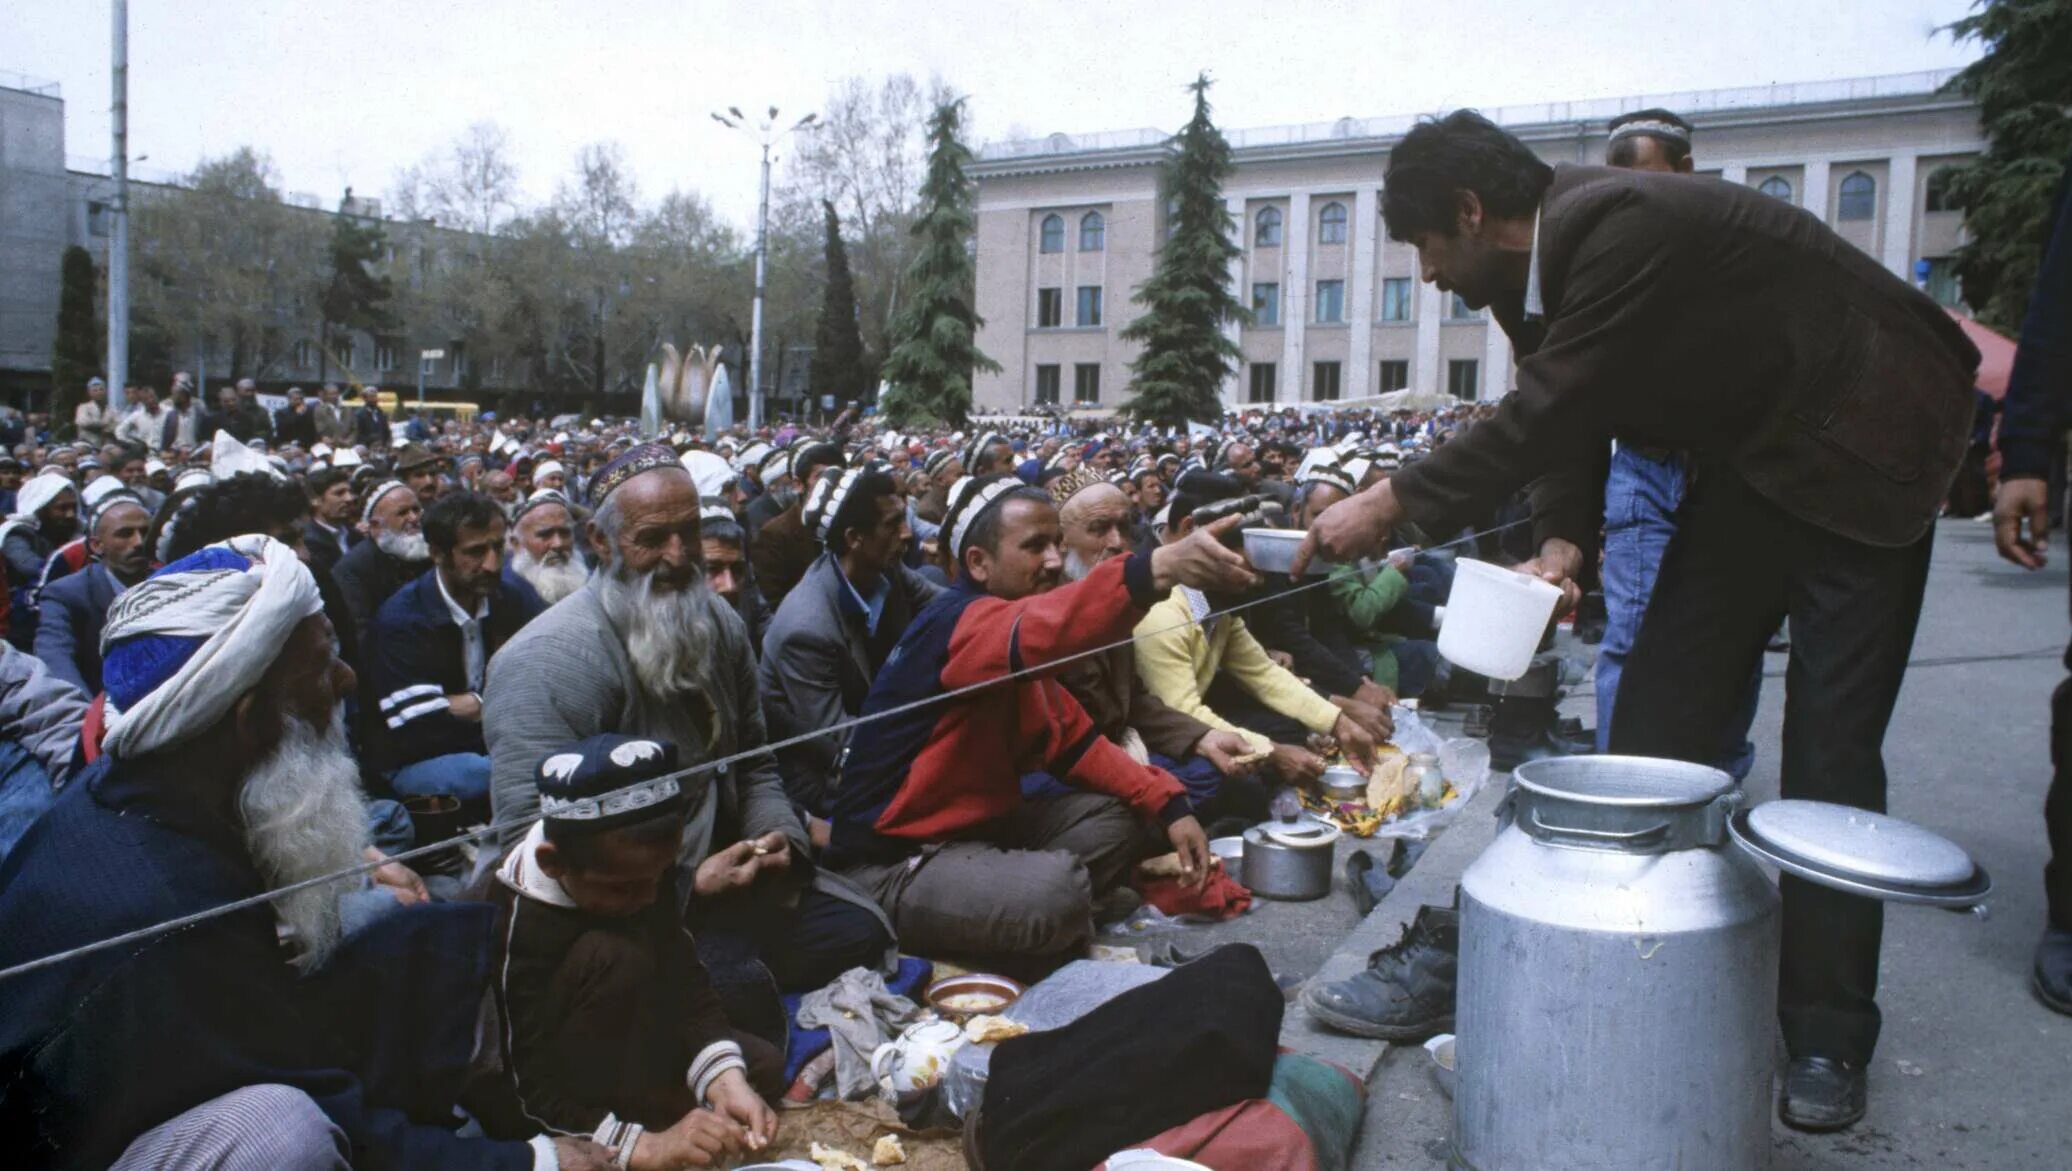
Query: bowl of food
[(1273, 550), (1344, 783), (972, 994)]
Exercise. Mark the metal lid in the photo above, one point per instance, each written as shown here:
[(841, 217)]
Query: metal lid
[(1871, 854)]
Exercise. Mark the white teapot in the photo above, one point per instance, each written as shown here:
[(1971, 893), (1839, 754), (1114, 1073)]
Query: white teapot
[(918, 1058)]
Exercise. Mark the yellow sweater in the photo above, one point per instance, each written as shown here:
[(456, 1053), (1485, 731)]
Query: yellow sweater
[(1178, 659)]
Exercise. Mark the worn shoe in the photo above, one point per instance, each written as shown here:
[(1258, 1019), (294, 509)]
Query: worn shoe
[(2051, 978), (1406, 993), (1822, 1094)]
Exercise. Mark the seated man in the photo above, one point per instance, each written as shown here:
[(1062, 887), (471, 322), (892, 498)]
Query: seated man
[(232, 1042), (783, 548), (645, 649), (39, 741), (430, 650), (543, 546), (929, 814), (610, 1026), (723, 544), (46, 516), (393, 555), (329, 535), (834, 630), (68, 630)]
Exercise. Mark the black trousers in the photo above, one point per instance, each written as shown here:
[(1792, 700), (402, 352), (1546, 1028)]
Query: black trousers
[(2057, 807), (1737, 565)]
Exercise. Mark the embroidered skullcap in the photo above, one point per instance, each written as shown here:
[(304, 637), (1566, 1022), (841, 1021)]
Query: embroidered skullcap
[(752, 456), (380, 490), (540, 499), (977, 447), (192, 478), (776, 465), (1654, 123), (1222, 457), (1388, 459), (710, 472), (90, 497), (646, 457), (551, 467), (346, 457), (182, 646), (810, 455), (39, 492), (1328, 473), (1167, 457), (608, 781), (1072, 483), (970, 497), (936, 459), (1119, 478), (710, 513), (1196, 488), (1357, 466), (833, 495)]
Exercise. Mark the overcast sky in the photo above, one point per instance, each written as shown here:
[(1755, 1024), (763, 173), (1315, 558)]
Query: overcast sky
[(342, 93)]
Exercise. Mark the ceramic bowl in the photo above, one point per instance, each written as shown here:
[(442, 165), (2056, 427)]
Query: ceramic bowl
[(973, 994)]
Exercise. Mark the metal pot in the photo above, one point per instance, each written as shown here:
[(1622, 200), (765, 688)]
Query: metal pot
[(1291, 861), (1618, 963)]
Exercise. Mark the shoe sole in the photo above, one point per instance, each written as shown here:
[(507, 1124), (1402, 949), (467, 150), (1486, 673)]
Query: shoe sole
[(1826, 1126), (1400, 1034), (2043, 996)]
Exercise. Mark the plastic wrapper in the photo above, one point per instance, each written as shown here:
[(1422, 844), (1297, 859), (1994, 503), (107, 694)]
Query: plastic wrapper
[(1466, 765), (1066, 995)]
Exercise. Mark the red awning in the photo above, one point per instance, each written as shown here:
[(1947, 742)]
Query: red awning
[(1995, 355)]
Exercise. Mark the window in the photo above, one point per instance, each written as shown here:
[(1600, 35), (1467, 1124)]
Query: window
[(1395, 298), (305, 355), (1776, 187), (97, 219), (1268, 234), (1050, 308), (1331, 224), (1460, 379), (1093, 232), (1457, 310), (1266, 304), (1086, 382), (1395, 374), (1941, 282), (342, 351), (1089, 305), (1047, 385), (1053, 235), (1323, 382), (385, 355), (1262, 390), (1330, 302), (1939, 191), (1859, 197)]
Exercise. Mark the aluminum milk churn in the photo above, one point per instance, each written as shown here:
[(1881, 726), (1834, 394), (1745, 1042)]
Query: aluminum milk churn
[(1618, 961)]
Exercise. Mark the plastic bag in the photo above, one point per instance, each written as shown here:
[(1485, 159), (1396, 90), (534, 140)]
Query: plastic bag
[(1064, 996), (1466, 765)]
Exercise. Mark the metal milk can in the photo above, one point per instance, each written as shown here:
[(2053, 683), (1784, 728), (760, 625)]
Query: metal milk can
[(1617, 1001)]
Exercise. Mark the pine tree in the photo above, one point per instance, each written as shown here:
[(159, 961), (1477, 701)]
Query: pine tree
[(934, 351), (1186, 356), (77, 351), (356, 297), (2021, 86), (838, 363)]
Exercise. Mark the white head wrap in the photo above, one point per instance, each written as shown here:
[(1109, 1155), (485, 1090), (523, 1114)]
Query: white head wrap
[(229, 458), (381, 490), (549, 468), (37, 493), (710, 472)]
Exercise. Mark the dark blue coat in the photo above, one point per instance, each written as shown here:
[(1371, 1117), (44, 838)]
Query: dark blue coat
[(68, 631), (417, 659), (2038, 406)]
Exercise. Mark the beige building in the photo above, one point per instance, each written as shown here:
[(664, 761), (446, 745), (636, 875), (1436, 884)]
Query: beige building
[(1068, 224)]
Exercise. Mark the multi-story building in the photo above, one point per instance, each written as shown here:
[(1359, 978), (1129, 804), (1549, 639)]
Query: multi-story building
[(1068, 227)]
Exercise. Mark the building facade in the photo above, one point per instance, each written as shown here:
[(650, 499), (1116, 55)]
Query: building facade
[(1068, 227)]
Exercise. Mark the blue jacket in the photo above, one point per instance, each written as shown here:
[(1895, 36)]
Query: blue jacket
[(68, 631), (418, 658), (97, 1050), (2038, 406)]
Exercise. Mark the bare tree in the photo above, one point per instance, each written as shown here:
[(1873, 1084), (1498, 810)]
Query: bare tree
[(471, 185)]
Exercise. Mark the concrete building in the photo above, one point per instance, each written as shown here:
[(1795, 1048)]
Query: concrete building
[(1068, 225)]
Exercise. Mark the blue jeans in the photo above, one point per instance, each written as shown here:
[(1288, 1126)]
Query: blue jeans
[(458, 774), (1641, 497), (25, 792)]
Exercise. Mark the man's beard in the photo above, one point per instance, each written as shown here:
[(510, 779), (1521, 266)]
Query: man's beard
[(403, 546), (1077, 566), (668, 633), (553, 582), (304, 816)]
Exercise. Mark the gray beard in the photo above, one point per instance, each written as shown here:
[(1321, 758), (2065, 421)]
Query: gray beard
[(669, 634), (403, 546), (1077, 567), (304, 816), (553, 582)]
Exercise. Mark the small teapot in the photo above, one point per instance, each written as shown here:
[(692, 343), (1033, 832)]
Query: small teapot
[(918, 1058)]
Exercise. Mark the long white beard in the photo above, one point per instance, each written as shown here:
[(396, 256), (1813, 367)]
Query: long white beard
[(304, 816), (554, 582), (668, 633), (1076, 566), (405, 546)]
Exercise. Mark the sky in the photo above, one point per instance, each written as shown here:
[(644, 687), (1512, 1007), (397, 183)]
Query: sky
[(347, 93)]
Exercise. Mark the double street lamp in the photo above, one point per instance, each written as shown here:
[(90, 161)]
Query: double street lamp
[(766, 134)]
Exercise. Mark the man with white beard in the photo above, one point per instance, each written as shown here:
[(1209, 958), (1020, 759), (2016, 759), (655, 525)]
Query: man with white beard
[(227, 1044), (543, 546), (646, 649), (394, 554)]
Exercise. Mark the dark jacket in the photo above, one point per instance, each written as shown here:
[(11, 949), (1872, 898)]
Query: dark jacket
[(1704, 316), (2038, 406), (418, 659), (369, 577), (322, 543), (245, 422), (68, 629), (289, 427), (1108, 687), (370, 426), (781, 553)]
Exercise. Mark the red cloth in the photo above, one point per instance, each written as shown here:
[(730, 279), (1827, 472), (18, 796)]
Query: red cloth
[(93, 727), (1221, 896)]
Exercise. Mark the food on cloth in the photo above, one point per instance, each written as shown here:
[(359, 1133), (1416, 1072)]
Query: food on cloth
[(836, 1159), (1390, 784), (972, 1002), (888, 1152), (980, 1030)]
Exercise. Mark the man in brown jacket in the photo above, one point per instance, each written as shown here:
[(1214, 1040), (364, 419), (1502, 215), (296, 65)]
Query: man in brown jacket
[(1825, 404)]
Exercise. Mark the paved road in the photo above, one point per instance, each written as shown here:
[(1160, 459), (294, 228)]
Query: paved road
[(1971, 1071)]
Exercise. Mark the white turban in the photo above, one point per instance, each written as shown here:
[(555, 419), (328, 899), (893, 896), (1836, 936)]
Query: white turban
[(550, 468), (712, 473), (37, 493)]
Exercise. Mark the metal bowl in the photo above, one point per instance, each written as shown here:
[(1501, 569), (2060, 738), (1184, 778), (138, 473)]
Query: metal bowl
[(1232, 851), (960, 996), (1440, 1050), (1344, 783)]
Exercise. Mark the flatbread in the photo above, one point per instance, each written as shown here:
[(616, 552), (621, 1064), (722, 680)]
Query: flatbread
[(980, 1030), (837, 1159), (888, 1152), (1388, 784)]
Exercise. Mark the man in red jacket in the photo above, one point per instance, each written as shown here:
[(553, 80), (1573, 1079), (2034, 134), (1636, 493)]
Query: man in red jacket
[(929, 814)]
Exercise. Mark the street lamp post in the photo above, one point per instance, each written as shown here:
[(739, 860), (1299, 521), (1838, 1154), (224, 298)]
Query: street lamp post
[(118, 236), (766, 135)]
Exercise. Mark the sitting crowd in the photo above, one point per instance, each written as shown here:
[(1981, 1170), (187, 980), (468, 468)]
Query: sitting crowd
[(739, 713)]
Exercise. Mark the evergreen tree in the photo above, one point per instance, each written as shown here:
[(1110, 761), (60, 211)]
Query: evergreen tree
[(77, 352), (1187, 301), (356, 297), (838, 362), (2021, 86), (934, 351)]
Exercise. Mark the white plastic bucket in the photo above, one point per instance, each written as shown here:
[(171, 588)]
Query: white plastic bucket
[(1494, 619)]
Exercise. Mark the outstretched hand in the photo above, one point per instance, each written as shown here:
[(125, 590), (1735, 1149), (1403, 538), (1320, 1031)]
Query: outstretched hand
[(1201, 560), (1355, 527)]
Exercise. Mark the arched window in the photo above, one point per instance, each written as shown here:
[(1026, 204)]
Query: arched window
[(1053, 237), (1093, 232), (1776, 187), (1939, 190), (1331, 224), (1859, 199), (1269, 231)]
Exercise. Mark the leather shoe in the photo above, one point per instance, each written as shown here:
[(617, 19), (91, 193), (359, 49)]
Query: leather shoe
[(1822, 1094), (1406, 993), (2051, 978)]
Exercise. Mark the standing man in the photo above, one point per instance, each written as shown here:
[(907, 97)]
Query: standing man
[(329, 534), (370, 422), (334, 424), (181, 427), (1826, 404), (297, 422), (144, 426), (93, 419)]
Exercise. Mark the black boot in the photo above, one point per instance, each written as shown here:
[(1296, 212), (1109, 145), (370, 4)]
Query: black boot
[(1822, 1094), (1526, 728), (2051, 978), (1406, 993)]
